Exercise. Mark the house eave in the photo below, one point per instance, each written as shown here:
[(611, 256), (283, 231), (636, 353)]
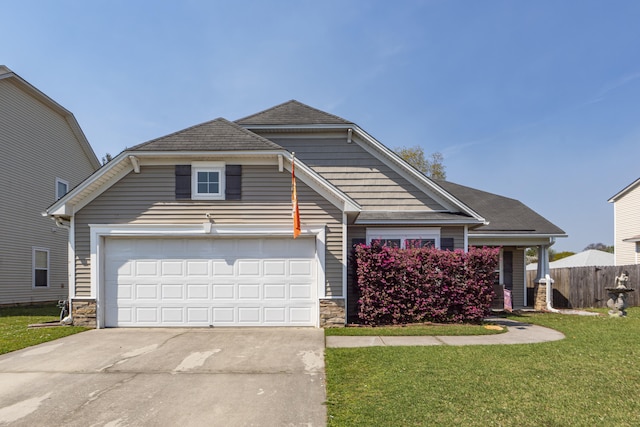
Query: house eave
[(624, 191), (121, 165)]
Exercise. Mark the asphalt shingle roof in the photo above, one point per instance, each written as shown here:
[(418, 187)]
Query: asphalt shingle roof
[(292, 113), (505, 215), (216, 135)]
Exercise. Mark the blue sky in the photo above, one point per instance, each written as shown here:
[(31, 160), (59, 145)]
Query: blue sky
[(538, 100)]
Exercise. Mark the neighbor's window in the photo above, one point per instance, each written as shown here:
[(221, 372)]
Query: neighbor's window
[(62, 188), (208, 181), (428, 237), (40, 268)]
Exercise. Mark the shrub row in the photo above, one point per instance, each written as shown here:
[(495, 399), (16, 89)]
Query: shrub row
[(400, 286)]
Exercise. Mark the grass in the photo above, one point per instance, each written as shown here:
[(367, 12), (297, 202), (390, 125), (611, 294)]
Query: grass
[(15, 335), (414, 330), (590, 378)]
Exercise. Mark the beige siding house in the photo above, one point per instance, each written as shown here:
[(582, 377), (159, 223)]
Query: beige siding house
[(195, 228), (44, 154), (626, 215)]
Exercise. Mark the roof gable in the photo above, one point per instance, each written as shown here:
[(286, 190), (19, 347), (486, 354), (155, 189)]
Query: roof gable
[(6, 73), (292, 113), (624, 191), (216, 135)]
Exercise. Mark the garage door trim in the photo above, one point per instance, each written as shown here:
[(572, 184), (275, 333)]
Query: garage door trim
[(98, 233)]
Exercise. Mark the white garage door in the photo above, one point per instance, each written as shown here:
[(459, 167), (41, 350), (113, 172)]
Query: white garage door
[(204, 282)]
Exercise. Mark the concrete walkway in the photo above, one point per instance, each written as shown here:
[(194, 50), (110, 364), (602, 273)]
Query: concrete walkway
[(517, 333)]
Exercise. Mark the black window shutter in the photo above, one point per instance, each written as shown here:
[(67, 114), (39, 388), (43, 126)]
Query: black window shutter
[(183, 182), (446, 244), (233, 179)]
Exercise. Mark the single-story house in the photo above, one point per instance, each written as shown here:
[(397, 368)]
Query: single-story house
[(588, 258), (195, 228)]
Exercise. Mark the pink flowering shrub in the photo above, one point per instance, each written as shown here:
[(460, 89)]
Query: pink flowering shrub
[(423, 284)]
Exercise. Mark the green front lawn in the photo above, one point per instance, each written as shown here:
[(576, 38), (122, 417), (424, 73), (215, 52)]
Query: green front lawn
[(590, 378), (14, 333), (414, 330)]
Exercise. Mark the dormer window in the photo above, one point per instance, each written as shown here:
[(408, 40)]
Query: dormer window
[(208, 181)]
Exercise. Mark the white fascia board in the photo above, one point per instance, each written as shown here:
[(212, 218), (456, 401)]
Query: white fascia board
[(623, 191), (425, 222), (418, 179), (120, 166), (527, 240), (89, 189)]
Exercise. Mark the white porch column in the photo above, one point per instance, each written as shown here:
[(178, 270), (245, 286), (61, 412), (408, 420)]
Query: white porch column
[(541, 292)]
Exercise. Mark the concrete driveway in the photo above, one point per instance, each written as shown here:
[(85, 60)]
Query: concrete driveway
[(168, 377)]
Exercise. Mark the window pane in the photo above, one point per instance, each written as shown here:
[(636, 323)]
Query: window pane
[(41, 278), (62, 189), (209, 182), (392, 243), (41, 260)]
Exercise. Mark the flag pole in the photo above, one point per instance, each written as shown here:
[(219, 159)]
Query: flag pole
[(295, 211)]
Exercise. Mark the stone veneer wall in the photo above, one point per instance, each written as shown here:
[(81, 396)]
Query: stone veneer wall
[(84, 313), (540, 297), (333, 313)]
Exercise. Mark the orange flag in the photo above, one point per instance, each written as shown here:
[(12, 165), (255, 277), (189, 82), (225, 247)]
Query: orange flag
[(295, 212)]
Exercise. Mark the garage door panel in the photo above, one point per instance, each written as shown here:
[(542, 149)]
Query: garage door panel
[(300, 291), (249, 291), (146, 292), (275, 268), (249, 315), (198, 315), (203, 282), (173, 268), (222, 268), (224, 291), (300, 267), (172, 315), (274, 291), (248, 267), (223, 315), (172, 292), (198, 292), (146, 315)]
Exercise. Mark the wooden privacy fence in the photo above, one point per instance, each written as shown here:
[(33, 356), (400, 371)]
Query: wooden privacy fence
[(581, 287)]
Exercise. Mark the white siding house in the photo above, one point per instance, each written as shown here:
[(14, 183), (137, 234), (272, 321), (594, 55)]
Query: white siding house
[(626, 213)]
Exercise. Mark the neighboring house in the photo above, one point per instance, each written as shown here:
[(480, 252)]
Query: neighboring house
[(44, 155), (588, 258), (626, 224), (195, 228)]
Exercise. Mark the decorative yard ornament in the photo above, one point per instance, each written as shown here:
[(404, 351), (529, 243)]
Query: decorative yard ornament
[(618, 296)]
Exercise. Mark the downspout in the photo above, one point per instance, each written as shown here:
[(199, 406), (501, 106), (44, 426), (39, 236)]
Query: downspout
[(61, 223), (550, 294)]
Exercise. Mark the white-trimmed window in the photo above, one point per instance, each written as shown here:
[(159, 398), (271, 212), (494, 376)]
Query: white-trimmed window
[(40, 268), (62, 187), (207, 181), (405, 237)]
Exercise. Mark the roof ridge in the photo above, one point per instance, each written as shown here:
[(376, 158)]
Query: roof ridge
[(221, 120), (292, 102)]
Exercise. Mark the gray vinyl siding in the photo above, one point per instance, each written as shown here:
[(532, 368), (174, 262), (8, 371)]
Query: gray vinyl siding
[(519, 289), (149, 198), (360, 175), (38, 146), (627, 225)]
